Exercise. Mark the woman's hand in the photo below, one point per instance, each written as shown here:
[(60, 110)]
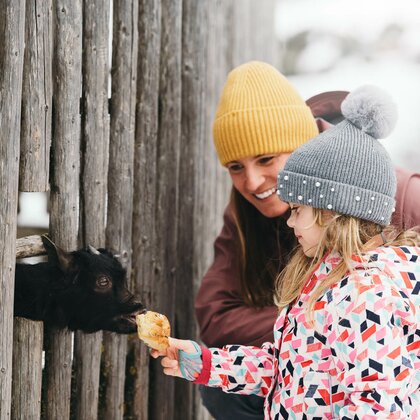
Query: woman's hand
[(170, 361)]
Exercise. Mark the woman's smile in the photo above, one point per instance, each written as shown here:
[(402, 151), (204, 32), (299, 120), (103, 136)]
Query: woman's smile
[(266, 194)]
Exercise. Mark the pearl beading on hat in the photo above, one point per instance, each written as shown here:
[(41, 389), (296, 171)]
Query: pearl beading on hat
[(318, 184)]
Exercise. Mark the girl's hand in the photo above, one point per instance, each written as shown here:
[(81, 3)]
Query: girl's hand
[(170, 361)]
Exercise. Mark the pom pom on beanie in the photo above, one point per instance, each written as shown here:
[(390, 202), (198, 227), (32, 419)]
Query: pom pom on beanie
[(371, 110), (345, 169)]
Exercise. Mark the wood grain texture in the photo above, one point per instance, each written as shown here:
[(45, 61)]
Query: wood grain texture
[(36, 97), (12, 35), (64, 182), (93, 191), (27, 369)]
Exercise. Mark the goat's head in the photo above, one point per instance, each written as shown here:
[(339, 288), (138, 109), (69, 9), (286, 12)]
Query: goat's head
[(92, 291)]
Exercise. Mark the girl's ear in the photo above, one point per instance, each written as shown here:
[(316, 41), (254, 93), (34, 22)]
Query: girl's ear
[(56, 256)]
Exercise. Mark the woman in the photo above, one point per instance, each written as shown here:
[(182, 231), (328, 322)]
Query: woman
[(259, 122), (347, 337)]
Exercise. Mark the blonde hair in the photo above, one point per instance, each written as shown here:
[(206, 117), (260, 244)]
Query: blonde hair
[(345, 235)]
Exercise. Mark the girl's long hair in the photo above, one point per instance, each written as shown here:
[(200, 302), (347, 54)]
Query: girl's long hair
[(344, 235), (264, 246)]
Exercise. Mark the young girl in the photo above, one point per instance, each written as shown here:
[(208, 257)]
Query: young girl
[(347, 337)]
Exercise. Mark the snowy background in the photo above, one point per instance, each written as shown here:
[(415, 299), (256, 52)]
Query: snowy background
[(341, 44)]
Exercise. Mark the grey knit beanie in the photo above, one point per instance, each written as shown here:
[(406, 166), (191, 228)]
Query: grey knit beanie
[(345, 169)]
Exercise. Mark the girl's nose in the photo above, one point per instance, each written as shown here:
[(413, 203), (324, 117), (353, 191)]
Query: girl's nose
[(291, 220)]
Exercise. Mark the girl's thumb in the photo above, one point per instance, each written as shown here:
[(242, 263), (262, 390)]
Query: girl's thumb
[(185, 345)]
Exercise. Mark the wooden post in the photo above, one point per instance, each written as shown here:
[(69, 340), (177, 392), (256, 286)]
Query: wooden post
[(194, 37), (27, 369), (144, 205), (120, 182), (34, 174), (167, 170), (29, 246), (12, 35), (94, 168), (36, 98), (64, 216)]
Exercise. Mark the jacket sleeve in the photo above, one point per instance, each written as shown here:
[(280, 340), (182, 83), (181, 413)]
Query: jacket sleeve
[(369, 345), (241, 369), (407, 214), (222, 314)]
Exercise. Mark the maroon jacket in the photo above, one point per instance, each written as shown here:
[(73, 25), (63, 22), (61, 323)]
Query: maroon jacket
[(222, 315)]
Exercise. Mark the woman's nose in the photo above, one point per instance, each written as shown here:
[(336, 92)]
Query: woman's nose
[(253, 180)]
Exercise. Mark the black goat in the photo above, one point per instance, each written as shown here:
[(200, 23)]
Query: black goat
[(82, 290)]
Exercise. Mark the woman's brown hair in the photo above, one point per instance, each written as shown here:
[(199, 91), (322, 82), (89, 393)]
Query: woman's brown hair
[(264, 246)]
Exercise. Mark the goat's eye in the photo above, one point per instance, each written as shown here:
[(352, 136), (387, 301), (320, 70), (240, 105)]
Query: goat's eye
[(103, 282)]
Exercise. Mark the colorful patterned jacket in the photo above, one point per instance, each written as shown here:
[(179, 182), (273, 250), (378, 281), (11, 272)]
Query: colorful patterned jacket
[(358, 359)]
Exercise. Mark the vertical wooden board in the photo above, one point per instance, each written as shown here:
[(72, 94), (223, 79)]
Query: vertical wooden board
[(64, 182), (167, 170), (253, 32), (194, 32), (86, 362), (145, 179), (36, 97), (115, 350), (27, 369), (95, 146), (120, 181), (213, 182), (12, 35), (95, 121)]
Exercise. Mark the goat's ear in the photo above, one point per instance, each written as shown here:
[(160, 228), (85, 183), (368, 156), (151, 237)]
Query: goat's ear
[(57, 256)]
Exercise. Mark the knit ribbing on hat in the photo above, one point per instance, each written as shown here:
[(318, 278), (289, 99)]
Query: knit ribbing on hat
[(260, 113), (344, 169)]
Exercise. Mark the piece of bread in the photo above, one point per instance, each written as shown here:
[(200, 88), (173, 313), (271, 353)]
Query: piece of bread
[(154, 329)]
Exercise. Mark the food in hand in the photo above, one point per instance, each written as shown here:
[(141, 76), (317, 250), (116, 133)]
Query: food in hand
[(154, 329)]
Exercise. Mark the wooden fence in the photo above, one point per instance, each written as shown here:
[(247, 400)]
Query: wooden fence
[(112, 102)]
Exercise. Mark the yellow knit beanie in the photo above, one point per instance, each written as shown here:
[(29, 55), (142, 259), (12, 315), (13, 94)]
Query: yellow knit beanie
[(259, 112)]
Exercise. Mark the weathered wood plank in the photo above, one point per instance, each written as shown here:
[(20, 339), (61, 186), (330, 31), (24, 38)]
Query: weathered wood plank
[(167, 173), (95, 147), (64, 182), (12, 35), (120, 181), (27, 369), (194, 37), (36, 97), (29, 246), (144, 201)]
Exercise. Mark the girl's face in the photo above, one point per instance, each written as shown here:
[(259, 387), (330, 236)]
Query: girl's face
[(256, 179), (307, 231)]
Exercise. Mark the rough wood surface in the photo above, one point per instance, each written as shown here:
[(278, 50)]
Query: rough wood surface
[(64, 182), (27, 369), (29, 246), (167, 177), (93, 194), (194, 37), (144, 201), (120, 181), (12, 36), (36, 98)]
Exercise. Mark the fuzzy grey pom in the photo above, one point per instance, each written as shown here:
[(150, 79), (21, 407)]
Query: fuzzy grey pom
[(371, 110)]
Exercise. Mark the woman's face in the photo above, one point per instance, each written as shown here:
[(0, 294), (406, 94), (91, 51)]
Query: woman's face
[(256, 179), (307, 231)]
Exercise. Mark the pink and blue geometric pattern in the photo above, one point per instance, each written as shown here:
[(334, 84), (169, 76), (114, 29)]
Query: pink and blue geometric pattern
[(357, 357)]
